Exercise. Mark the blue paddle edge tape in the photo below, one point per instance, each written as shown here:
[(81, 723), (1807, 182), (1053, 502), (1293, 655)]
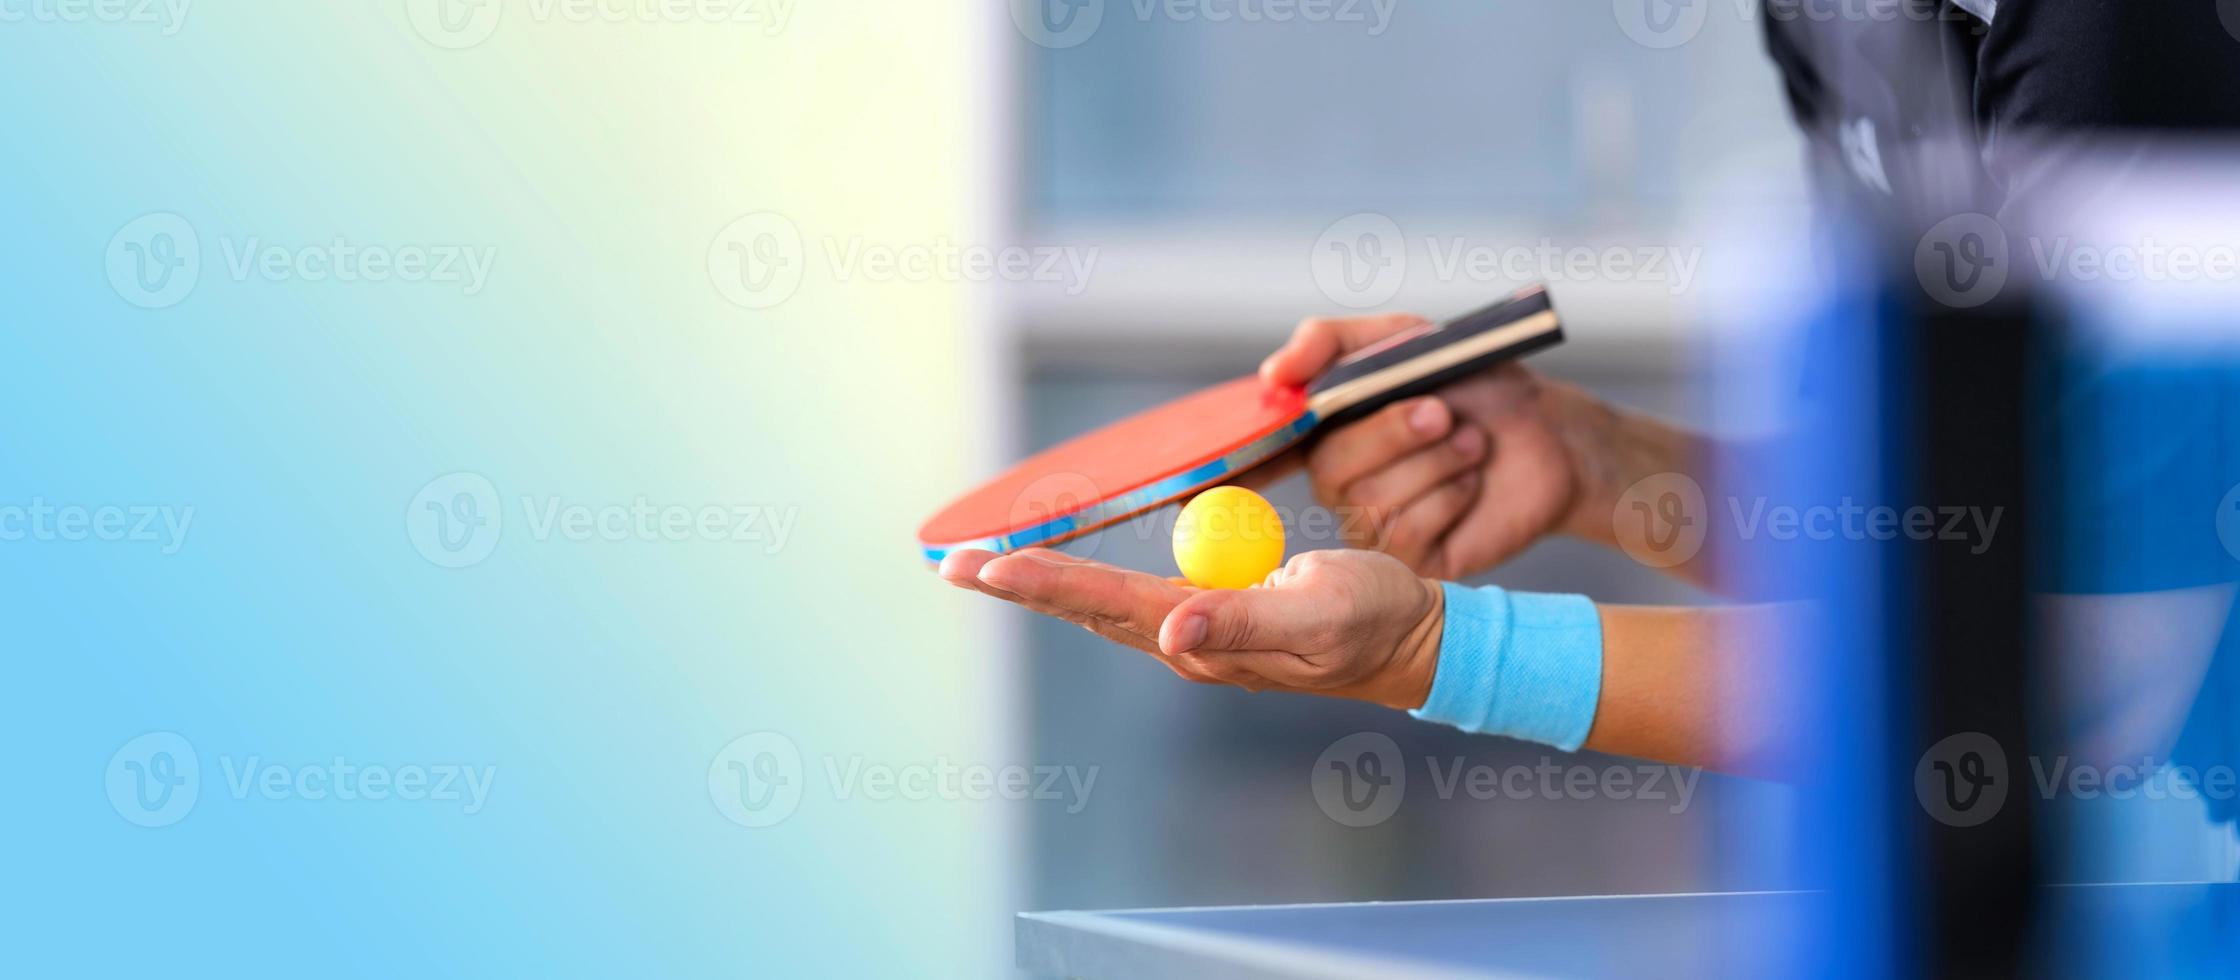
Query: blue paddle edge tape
[(1138, 500)]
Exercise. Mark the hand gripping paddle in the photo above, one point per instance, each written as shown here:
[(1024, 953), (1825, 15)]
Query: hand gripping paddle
[(1196, 441)]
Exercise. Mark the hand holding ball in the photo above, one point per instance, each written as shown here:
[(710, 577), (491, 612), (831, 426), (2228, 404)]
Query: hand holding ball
[(1228, 538)]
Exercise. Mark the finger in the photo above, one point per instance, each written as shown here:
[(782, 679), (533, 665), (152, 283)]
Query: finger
[(1417, 531), (1273, 669), (1223, 669), (962, 568), (1076, 617), (1145, 641), (1243, 619), (1131, 634), (1388, 435), (1189, 669), (1416, 474), (1053, 554), (1061, 558), (996, 588), (1319, 342), (1132, 600)]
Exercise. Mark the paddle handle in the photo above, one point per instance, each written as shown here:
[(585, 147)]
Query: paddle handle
[(1421, 361)]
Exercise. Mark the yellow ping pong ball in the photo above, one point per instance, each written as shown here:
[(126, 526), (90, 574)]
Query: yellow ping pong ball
[(1228, 538)]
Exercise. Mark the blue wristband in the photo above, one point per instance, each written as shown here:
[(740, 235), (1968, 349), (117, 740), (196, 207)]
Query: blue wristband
[(1522, 664)]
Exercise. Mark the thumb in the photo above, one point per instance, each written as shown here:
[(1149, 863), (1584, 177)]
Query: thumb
[(1240, 619), (1319, 342), (1298, 362)]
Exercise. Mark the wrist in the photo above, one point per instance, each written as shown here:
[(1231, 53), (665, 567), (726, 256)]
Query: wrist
[(1416, 659), (1522, 664), (1610, 450)]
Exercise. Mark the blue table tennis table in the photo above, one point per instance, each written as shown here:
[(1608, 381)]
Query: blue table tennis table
[(2147, 929)]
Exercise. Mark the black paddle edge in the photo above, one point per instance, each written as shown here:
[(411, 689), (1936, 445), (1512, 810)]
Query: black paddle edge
[(1500, 314)]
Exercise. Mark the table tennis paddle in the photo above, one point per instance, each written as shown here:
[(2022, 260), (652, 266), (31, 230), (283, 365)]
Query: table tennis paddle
[(1176, 449)]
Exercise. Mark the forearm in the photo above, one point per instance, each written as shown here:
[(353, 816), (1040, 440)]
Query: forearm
[(2123, 670), (1613, 451), (1660, 683), (1679, 685)]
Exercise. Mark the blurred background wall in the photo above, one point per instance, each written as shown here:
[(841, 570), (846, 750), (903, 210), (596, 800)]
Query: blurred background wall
[(632, 342)]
